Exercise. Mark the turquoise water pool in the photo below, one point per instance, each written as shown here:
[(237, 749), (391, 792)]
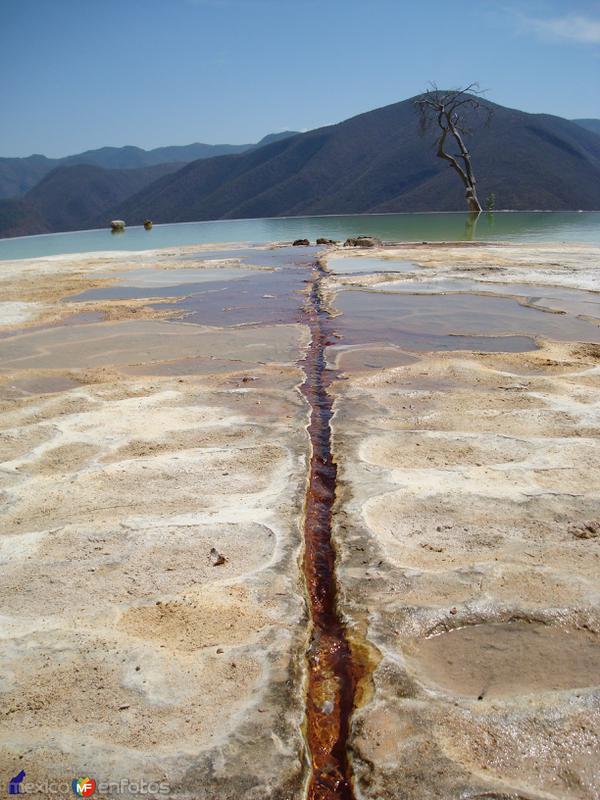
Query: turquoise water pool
[(517, 226)]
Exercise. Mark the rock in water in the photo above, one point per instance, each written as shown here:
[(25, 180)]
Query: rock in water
[(117, 225), (322, 240), (363, 241), (148, 224), (301, 243)]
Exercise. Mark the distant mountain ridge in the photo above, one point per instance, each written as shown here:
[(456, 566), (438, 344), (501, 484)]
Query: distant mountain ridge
[(19, 175), (589, 124)]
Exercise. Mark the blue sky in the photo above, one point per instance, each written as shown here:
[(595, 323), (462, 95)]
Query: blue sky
[(79, 74)]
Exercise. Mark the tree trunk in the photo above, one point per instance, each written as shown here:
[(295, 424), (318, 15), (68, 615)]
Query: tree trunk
[(466, 174), (469, 177), (473, 200)]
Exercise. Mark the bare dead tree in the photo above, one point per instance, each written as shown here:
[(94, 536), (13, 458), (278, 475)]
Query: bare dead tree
[(453, 111)]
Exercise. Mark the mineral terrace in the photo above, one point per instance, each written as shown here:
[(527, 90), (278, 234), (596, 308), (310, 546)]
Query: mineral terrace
[(154, 619)]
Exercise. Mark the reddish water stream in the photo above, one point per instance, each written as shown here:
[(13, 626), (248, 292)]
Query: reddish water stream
[(332, 674)]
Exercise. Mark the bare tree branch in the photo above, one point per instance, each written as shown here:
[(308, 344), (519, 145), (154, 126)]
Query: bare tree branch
[(451, 110)]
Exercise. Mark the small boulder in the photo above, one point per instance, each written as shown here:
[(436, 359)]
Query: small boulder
[(148, 224), (117, 225), (216, 558), (301, 243), (363, 241), (326, 241)]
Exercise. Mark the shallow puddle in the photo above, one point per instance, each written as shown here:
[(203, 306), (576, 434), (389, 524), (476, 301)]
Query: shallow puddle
[(263, 297), (148, 276), (551, 298), (451, 322), (191, 366), (199, 288), (360, 359), (351, 265), (499, 659), (255, 256), (139, 284), (141, 341), (38, 384), (227, 296), (271, 297)]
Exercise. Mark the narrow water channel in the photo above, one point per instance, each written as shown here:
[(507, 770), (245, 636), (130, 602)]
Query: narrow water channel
[(332, 676)]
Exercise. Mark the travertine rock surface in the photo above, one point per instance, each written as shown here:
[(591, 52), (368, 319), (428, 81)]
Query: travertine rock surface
[(126, 652), (134, 444), (468, 500)]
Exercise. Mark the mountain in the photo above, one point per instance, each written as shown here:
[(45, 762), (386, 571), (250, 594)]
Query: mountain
[(18, 175), (375, 162), (589, 124), (273, 137), (134, 157), (19, 218), (70, 196), (88, 190), (378, 162)]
